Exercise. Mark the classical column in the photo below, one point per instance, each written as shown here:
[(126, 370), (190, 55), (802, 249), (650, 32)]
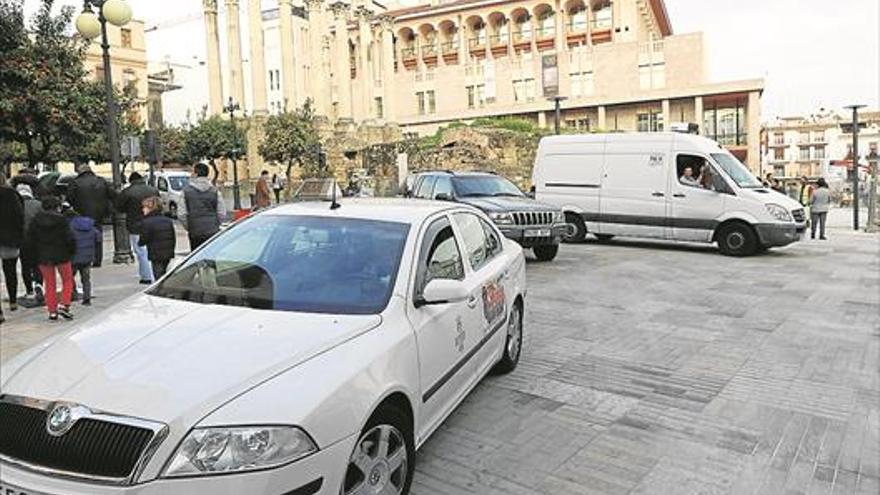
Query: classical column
[(559, 19), (215, 79), (316, 83), (340, 62), (233, 40), (364, 16), (698, 113), (288, 77), (602, 124), (387, 24), (667, 114), (258, 62), (462, 33), (753, 119)]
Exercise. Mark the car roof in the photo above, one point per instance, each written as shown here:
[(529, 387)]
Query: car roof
[(411, 211)]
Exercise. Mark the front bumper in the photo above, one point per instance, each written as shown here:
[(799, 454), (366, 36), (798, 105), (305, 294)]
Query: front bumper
[(319, 474), (778, 234), (518, 233)]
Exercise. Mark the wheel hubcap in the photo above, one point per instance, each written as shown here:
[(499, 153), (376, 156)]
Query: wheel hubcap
[(514, 334), (378, 465), (735, 240)]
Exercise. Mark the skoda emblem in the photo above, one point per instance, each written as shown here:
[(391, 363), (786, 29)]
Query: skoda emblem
[(61, 419)]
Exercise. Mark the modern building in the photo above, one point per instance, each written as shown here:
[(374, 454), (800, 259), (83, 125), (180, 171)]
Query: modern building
[(619, 66), (128, 62)]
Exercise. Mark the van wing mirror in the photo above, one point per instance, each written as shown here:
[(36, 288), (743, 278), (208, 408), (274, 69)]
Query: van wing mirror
[(442, 291), (443, 197)]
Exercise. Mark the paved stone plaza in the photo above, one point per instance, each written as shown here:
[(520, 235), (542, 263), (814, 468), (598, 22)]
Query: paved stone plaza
[(662, 369)]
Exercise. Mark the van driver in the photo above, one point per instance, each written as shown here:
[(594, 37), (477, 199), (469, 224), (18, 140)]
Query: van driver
[(687, 178)]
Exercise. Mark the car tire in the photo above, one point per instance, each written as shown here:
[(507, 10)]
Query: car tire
[(604, 237), (737, 239), (367, 464), (546, 252), (577, 229), (512, 341)]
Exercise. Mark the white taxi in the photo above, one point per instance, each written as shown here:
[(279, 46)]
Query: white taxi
[(306, 350)]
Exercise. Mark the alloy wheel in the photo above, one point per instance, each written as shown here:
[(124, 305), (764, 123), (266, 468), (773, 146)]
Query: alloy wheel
[(514, 333), (378, 465)]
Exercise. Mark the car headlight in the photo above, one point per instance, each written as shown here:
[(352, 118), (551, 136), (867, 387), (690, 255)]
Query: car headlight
[(207, 451), (778, 212), (501, 218)]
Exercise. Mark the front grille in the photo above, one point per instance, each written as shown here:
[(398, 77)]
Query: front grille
[(91, 448), (798, 215), (533, 217)]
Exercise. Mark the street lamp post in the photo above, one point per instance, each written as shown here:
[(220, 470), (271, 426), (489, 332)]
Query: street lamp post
[(90, 26), (557, 111), (855, 155), (230, 108)]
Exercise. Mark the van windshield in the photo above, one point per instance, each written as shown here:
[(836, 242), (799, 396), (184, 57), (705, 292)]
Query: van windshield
[(736, 171), (179, 182)]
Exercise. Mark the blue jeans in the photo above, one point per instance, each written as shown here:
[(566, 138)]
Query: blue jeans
[(145, 270)]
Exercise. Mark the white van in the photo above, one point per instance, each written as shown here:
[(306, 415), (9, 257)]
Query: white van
[(170, 184), (638, 184)]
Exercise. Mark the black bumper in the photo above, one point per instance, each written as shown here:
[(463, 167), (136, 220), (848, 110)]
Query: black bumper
[(518, 233), (775, 235)]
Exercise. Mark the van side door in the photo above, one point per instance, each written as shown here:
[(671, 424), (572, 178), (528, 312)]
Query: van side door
[(633, 200)]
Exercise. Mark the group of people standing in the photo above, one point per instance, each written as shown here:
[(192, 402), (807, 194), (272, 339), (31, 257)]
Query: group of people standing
[(817, 197), (52, 236)]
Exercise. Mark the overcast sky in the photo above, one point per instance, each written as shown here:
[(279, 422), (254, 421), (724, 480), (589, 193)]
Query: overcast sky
[(811, 53)]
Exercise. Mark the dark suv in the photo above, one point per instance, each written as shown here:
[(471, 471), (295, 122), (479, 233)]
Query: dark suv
[(532, 224)]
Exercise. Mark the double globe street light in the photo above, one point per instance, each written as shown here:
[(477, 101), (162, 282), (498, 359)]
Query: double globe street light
[(91, 25)]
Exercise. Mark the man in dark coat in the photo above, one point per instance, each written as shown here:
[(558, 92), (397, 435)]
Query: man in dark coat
[(131, 201), (91, 196), (157, 234), (202, 210), (11, 234)]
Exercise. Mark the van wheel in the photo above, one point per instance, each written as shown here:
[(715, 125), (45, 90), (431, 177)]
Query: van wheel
[(546, 253), (577, 230), (737, 239), (604, 237), (384, 457)]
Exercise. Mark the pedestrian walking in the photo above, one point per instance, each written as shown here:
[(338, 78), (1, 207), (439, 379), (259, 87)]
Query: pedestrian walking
[(806, 191), (263, 197), (130, 201), (202, 209), (30, 273), (91, 196), (84, 235), (277, 187), (11, 232), (820, 201), (51, 239), (157, 234)]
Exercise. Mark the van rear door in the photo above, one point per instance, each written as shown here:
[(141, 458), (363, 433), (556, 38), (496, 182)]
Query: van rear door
[(569, 176), (634, 189)]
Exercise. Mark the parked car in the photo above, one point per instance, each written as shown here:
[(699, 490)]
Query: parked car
[(170, 184), (637, 184), (530, 223), (305, 350)]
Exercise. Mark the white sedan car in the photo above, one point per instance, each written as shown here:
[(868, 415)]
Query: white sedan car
[(303, 351)]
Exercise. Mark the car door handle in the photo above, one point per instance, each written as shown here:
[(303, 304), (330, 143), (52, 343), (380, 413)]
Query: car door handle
[(678, 195), (657, 194), (472, 301)]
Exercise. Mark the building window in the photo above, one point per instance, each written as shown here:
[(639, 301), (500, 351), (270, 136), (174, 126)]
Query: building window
[(378, 107), (581, 125), (726, 125), (432, 102), (804, 138), (271, 80), (582, 84), (778, 138), (819, 153), (420, 96), (779, 154), (804, 154), (125, 34), (650, 122), (129, 81), (476, 95), (524, 89)]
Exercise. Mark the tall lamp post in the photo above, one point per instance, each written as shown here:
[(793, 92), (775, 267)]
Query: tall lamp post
[(90, 26), (231, 108), (557, 111), (855, 154)]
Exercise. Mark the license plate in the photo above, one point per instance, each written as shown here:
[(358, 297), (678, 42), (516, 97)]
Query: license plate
[(6, 489), (537, 233)]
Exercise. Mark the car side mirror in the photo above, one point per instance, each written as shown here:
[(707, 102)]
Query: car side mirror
[(443, 197), (442, 291)]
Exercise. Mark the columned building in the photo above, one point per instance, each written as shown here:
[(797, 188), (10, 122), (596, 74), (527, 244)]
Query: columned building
[(619, 66)]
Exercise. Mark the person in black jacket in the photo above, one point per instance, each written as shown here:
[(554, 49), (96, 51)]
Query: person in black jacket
[(91, 196), (131, 202), (157, 234), (11, 232), (51, 240)]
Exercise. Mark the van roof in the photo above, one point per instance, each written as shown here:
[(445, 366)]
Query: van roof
[(631, 137)]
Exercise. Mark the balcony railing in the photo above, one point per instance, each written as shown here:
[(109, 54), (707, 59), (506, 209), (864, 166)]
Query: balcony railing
[(408, 53), (522, 37), (476, 42), (601, 23), (499, 39), (546, 31), (577, 25), (449, 47), (429, 50)]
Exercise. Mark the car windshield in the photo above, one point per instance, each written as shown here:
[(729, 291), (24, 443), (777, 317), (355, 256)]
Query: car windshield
[(179, 182), (294, 263), (484, 185), (736, 171)]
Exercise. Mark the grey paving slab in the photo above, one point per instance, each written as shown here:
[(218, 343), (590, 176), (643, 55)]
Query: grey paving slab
[(652, 368)]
